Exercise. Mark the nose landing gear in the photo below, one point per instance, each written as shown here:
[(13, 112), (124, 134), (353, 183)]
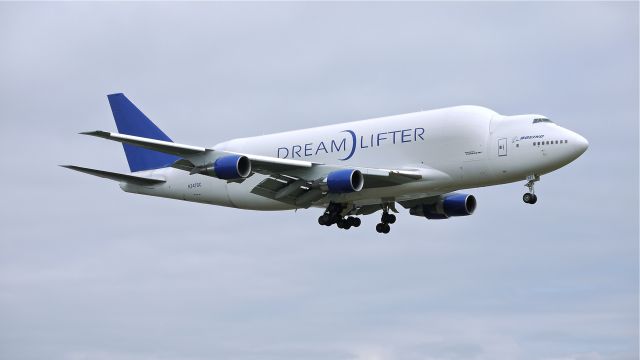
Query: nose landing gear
[(530, 197)]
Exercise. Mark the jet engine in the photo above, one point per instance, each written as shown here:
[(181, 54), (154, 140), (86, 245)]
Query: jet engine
[(345, 181), (229, 167), (446, 206)]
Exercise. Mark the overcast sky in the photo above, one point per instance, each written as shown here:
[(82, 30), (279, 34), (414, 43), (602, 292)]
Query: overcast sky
[(90, 272)]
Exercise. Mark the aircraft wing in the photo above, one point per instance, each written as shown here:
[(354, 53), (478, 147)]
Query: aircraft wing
[(258, 162), (298, 190), (290, 181), (167, 147)]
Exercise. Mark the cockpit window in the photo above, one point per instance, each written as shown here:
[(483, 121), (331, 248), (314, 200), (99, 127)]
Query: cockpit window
[(539, 120)]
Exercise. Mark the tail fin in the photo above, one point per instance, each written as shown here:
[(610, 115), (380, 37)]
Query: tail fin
[(132, 121)]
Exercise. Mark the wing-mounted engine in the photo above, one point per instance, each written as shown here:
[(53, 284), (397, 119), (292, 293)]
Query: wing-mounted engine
[(229, 167), (344, 181), (445, 206)]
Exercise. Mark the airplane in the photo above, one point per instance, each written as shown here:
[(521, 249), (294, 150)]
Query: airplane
[(418, 160)]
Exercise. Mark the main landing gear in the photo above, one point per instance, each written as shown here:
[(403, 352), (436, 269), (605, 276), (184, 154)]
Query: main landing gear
[(338, 214), (333, 215), (386, 219), (530, 197)]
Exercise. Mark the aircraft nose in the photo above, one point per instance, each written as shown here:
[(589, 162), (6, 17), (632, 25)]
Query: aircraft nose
[(580, 144)]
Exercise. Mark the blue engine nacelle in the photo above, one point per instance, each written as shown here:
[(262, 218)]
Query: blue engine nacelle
[(345, 181), (229, 167), (446, 206)]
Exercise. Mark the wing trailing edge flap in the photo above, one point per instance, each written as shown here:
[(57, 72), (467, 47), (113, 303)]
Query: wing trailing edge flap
[(289, 190), (130, 179)]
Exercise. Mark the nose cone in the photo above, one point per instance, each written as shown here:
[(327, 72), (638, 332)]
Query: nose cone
[(578, 144), (581, 144)]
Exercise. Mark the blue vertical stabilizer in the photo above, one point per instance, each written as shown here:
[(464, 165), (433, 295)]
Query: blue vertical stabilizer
[(132, 121)]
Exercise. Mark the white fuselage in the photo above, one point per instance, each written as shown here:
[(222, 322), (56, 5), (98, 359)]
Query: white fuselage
[(454, 148)]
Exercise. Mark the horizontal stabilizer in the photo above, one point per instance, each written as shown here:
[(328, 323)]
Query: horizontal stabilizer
[(131, 179)]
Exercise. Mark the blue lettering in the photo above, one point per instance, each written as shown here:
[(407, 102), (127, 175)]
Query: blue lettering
[(307, 149), (343, 145), (362, 143), (293, 151), (353, 144), (380, 138), (394, 135), (285, 154), (406, 134), (418, 134), (321, 146)]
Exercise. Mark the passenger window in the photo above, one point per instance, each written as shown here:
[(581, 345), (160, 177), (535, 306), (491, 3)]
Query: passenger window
[(556, 142)]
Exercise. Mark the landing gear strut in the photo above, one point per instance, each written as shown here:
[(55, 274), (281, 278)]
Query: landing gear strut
[(530, 197), (333, 215), (386, 219)]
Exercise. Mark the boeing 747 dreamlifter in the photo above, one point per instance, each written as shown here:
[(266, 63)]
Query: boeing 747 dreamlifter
[(417, 160)]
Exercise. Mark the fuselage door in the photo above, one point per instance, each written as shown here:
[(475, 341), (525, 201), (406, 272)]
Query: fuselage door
[(502, 147)]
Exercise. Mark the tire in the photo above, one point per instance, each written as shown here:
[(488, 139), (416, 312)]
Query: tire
[(391, 218), (388, 218), (534, 199), (356, 222), (379, 227), (386, 228), (527, 198)]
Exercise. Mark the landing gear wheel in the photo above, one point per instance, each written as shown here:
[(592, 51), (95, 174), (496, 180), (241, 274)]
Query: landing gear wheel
[(383, 228), (324, 220), (344, 224), (332, 215), (354, 221), (530, 198), (388, 218)]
